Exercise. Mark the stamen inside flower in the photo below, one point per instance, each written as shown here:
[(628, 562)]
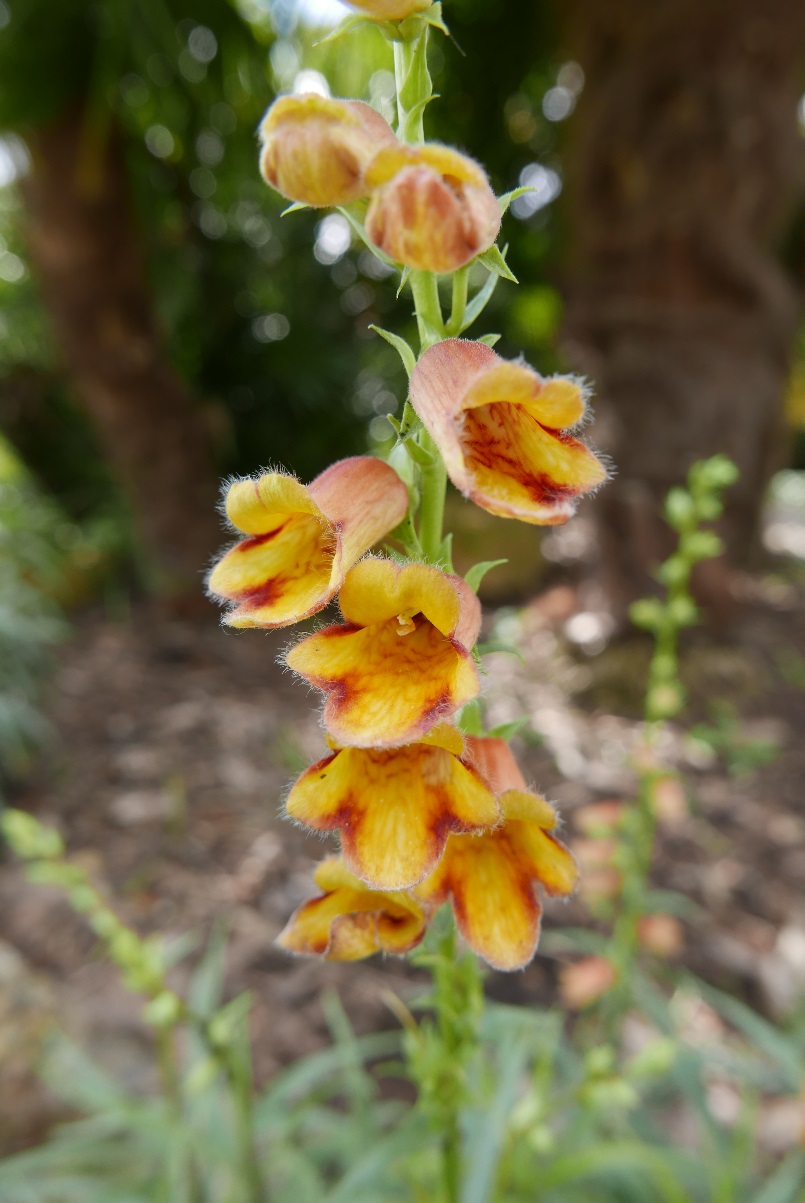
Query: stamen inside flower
[(405, 623)]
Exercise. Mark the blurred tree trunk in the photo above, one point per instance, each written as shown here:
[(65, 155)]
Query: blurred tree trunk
[(684, 160), (87, 252)]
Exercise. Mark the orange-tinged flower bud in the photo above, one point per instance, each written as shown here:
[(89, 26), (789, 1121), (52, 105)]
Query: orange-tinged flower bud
[(432, 208), (581, 983), (501, 429), (661, 934), (402, 663), (316, 150), (389, 10), (395, 807), (302, 540), (349, 922), (493, 879)]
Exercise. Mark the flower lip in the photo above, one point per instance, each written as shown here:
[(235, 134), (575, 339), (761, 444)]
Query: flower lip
[(348, 922), (502, 430), (395, 808), (388, 684), (493, 879), (301, 540)]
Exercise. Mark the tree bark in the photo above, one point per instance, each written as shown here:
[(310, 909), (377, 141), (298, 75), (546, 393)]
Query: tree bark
[(684, 160), (87, 252)]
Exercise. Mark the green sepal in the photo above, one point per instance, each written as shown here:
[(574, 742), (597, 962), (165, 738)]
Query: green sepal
[(508, 731), (418, 454), (494, 260), (478, 571), (489, 340), (296, 207), (433, 16), (401, 347), (360, 230), (404, 274), (507, 198)]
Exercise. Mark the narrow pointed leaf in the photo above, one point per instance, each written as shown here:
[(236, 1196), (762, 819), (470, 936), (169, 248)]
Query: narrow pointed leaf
[(478, 571), (508, 731), (480, 301), (400, 346), (296, 207), (495, 261), (507, 198)]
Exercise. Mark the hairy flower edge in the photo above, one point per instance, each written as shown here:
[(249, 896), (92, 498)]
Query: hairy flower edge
[(402, 661), (302, 540), (396, 807), (502, 431)]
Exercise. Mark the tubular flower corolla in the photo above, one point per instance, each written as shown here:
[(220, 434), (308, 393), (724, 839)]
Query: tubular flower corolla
[(402, 662), (301, 540), (315, 150), (493, 879), (502, 430), (395, 807), (432, 208), (349, 921)]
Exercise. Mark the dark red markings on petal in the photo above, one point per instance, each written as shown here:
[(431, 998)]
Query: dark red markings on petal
[(258, 540), (441, 707), (261, 595)]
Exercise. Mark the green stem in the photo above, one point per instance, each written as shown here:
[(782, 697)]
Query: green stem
[(459, 301), (458, 993), (433, 478)]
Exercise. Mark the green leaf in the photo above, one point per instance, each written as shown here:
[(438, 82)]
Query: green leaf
[(785, 1052), (480, 301), (348, 25), (495, 261), (478, 571), (400, 346), (648, 613), (508, 731), (470, 719), (485, 1140), (612, 1159), (404, 274), (489, 339), (786, 1183), (492, 646), (507, 198)]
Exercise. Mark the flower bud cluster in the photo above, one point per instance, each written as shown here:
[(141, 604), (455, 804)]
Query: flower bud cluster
[(431, 208)]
